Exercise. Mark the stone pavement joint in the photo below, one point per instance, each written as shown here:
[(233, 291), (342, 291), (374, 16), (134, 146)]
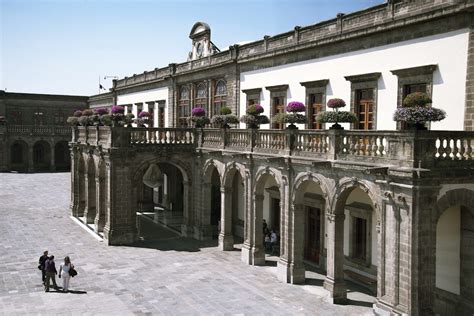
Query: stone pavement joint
[(164, 274)]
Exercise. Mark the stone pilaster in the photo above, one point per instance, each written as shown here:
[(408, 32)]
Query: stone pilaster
[(226, 238), (99, 220), (74, 205), (186, 226), (334, 281), (469, 110), (90, 209), (120, 227)]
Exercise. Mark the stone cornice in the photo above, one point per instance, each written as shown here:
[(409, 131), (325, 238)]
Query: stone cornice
[(315, 83), (252, 91), (277, 87), (374, 76), (415, 71)]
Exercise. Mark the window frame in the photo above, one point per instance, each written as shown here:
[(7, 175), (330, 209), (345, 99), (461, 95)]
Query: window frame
[(278, 91), (313, 88), (364, 82)]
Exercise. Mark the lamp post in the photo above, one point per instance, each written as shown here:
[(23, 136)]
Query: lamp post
[(105, 78)]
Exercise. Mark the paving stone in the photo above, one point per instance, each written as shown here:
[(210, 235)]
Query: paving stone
[(141, 280)]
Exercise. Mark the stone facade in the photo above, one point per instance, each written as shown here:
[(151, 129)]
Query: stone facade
[(33, 131), (368, 206)]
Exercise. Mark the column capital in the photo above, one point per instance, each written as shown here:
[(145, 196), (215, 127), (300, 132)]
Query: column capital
[(333, 217)]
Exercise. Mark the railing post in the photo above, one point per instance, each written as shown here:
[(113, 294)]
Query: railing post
[(290, 135), (252, 137), (335, 143), (225, 137)]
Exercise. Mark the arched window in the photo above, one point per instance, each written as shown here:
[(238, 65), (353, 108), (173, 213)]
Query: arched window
[(201, 96), (220, 95), (184, 109)]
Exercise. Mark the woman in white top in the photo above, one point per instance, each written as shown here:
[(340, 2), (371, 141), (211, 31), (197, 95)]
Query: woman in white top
[(64, 268)]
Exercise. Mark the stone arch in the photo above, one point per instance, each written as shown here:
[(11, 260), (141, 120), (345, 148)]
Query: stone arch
[(19, 155), (62, 156), (41, 155), (230, 170), (174, 209), (345, 188), (207, 170), (308, 215), (81, 169), (267, 171), (464, 197)]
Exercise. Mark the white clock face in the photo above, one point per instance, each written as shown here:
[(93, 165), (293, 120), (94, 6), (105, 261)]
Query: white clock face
[(199, 49)]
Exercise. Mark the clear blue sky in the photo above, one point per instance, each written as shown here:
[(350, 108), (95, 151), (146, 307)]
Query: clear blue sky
[(63, 46)]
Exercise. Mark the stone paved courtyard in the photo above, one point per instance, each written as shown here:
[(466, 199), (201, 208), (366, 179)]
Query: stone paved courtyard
[(163, 274)]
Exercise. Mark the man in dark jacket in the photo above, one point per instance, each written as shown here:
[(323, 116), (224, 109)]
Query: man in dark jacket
[(41, 263), (50, 268)]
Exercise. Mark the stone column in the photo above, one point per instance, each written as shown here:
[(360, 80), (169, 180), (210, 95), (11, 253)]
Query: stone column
[(52, 166), (226, 237), (120, 227), (186, 227), (99, 220), (246, 256), (334, 281), (74, 205), (258, 250), (31, 164), (89, 212), (294, 266)]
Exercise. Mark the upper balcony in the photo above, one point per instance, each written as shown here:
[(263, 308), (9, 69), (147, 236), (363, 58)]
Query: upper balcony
[(405, 151), (37, 130)]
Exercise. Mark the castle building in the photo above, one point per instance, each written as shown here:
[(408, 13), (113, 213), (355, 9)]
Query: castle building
[(33, 131), (388, 208)]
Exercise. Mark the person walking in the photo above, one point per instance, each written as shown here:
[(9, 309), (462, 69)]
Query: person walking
[(64, 273), (41, 265), (51, 272)]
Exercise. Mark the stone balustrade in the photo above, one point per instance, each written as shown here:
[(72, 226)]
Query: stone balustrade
[(39, 130), (409, 149)]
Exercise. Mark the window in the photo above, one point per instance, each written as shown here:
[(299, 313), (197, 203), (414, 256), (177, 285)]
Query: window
[(315, 106), (15, 117), (184, 109), (59, 118), (139, 108), (315, 100), (151, 110), (220, 96), (200, 100), (161, 114), (38, 117), (277, 102), (364, 108), (253, 96), (364, 99), (415, 79)]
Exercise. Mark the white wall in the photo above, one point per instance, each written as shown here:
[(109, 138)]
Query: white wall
[(153, 95), (448, 250), (448, 51)]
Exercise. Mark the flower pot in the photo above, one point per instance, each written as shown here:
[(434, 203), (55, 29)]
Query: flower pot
[(336, 126), (292, 126)]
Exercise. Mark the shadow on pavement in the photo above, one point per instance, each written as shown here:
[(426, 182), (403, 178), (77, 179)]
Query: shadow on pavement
[(155, 236)]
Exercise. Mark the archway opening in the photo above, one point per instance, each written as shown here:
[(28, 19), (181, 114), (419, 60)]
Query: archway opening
[(42, 156), (455, 262), (268, 217), (90, 211), (160, 196), (62, 157), (360, 239), (19, 156)]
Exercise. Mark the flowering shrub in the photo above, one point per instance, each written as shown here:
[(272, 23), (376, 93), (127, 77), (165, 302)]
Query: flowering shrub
[(101, 111), (292, 118), (144, 114), (418, 114), (253, 121), (416, 99), (336, 103), (295, 107), (336, 117), (73, 120), (198, 112), (84, 120), (77, 113), (225, 111), (224, 120), (87, 112), (117, 109), (416, 110), (254, 109), (198, 121), (106, 119)]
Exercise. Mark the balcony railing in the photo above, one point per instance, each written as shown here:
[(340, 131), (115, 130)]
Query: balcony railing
[(410, 149), (39, 130)]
